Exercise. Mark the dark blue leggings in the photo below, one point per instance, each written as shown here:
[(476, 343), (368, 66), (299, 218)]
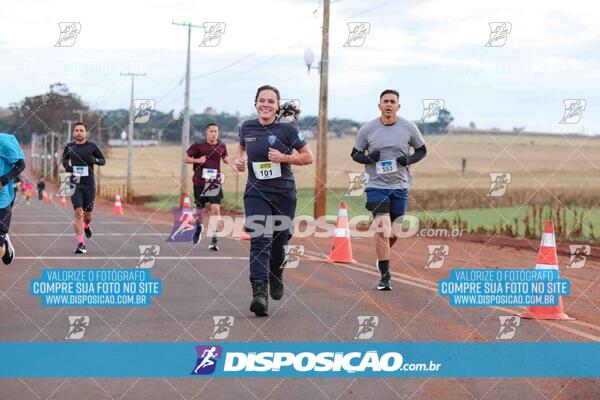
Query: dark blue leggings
[(267, 249)]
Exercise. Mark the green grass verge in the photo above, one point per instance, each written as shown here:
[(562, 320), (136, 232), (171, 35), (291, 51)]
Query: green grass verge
[(490, 217), (356, 205), (486, 218)]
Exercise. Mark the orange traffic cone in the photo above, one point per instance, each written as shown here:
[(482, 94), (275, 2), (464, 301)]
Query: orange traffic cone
[(63, 201), (547, 259), (244, 235), (186, 201), (118, 210), (239, 231), (341, 251)]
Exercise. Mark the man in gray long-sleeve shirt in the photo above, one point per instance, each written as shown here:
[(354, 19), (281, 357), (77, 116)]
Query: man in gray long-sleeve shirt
[(383, 146)]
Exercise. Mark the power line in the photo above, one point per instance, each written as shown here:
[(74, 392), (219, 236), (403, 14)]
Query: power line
[(171, 90), (249, 55), (375, 7), (226, 66)]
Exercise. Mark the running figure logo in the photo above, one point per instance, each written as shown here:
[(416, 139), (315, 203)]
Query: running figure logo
[(508, 327), (293, 254), (143, 107), (579, 254), (357, 34), (213, 186), (183, 225), (212, 34), (207, 359), (68, 183), (223, 324), (574, 109), (357, 181), (148, 254), (499, 183), (68, 34), (366, 326), (431, 110), (77, 326), (499, 32), (437, 255)]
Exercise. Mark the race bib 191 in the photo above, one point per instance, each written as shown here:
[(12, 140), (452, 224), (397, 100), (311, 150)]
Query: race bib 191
[(266, 170), (386, 166), (80, 170), (209, 174)]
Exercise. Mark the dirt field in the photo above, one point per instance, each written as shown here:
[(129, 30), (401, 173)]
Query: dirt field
[(534, 162)]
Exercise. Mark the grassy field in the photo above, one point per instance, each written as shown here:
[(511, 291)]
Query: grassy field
[(534, 163), (545, 170)]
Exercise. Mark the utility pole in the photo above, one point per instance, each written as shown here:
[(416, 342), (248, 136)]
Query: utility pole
[(321, 181), (185, 131), (80, 113), (33, 147), (45, 154), (129, 194), (100, 140), (69, 131), (52, 155)]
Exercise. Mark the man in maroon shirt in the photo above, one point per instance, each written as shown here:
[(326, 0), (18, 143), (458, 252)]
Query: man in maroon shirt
[(206, 158)]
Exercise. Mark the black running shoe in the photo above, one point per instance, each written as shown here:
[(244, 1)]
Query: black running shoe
[(384, 282), (80, 249), (214, 245), (276, 283), (9, 251), (260, 298), (88, 232), (197, 233)]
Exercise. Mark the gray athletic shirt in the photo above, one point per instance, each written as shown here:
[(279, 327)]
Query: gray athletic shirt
[(392, 141)]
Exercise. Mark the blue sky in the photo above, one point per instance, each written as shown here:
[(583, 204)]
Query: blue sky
[(424, 49)]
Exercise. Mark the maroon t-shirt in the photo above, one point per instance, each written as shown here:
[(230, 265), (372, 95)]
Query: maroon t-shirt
[(213, 152)]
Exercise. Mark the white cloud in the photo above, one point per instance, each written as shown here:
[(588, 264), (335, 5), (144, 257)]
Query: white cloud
[(423, 48), (535, 23), (136, 25)]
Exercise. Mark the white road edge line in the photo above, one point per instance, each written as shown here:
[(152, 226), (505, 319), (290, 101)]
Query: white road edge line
[(130, 258), (95, 234), (434, 289), (13, 222)]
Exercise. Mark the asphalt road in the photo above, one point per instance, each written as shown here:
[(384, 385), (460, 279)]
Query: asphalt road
[(322, 303)]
